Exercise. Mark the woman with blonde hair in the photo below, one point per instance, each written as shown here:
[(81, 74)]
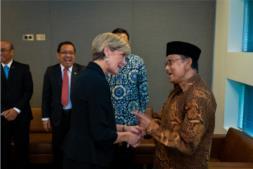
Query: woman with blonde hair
[(89, 143)]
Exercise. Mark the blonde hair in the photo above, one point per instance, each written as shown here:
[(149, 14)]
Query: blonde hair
[(110, 40)]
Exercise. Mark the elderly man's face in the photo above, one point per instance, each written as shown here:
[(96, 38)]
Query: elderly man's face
[(176, 68), (6, 52)]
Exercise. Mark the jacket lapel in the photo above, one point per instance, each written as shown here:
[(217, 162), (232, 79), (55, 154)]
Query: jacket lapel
[(3, 78), (12, 72), (73, 75), (58, 76)]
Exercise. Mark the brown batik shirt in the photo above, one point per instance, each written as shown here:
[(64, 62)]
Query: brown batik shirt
[(184, 131)]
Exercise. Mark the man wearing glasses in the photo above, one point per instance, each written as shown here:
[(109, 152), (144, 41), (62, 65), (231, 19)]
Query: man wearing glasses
[(16, 114), (183, 133), (56, 103)]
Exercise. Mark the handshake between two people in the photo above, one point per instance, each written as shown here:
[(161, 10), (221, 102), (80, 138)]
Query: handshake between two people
[(134, 134)]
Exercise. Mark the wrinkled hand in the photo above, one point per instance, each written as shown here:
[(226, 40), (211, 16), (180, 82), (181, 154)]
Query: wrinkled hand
[(143, 119), (10, 114), (133, 139), (46, 125), (135, 129)]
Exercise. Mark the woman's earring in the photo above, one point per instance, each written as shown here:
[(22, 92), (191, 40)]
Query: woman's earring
[(106, 59)]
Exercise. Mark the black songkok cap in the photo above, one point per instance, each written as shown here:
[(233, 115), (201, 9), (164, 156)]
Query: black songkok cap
[(183, 48)]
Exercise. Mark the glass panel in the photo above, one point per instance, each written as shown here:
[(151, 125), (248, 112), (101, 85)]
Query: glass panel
[(247, 45), (234, 104), (248, 110)]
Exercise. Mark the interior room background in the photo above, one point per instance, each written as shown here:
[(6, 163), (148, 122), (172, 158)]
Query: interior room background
[(151, 24)]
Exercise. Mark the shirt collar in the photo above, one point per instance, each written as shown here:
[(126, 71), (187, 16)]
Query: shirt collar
[(190, 82), (8, 64), (69, 69)]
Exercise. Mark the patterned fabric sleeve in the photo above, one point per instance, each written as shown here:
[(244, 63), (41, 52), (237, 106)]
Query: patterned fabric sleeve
[(192, 128), (142, 86)]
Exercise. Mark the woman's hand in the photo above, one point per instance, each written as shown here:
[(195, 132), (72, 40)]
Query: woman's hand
[(134, 129), (133, 139)]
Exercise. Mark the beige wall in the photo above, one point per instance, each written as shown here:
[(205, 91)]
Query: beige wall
[(236, 66)]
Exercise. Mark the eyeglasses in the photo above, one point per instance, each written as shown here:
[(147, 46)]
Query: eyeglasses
[(67, 53), (5, 50), (172, 61)]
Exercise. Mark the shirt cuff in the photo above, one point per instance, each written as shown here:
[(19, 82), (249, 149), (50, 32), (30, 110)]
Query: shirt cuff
[(17, 110), (45, 119), (152, 126)]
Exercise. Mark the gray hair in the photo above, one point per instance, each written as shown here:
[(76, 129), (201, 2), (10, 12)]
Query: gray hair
[(110, 40)]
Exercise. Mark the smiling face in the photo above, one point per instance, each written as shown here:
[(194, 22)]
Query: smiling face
[(66, 55), (115, 60), (176, 67)]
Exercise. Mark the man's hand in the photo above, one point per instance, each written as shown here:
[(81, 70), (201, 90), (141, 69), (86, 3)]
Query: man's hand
[(10, 114), (46, 125), (143, 119)]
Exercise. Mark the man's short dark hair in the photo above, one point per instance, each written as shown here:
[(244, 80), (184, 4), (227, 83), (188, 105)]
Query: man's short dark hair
[(121, 30), (65, 43)]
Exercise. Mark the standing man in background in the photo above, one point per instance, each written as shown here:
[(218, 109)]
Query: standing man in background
[(129, 90), (16, 114), (58, 82)]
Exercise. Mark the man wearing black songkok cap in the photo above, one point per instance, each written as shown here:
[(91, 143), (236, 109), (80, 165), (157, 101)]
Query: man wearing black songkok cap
[(184, 131)]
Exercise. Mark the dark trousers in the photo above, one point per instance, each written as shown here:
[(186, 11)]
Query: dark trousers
[(14, 143), (72, 164), (58, 134), (123, 158)]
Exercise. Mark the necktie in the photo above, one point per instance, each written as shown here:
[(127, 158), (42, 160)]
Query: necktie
[(65, 88), (6, 71)]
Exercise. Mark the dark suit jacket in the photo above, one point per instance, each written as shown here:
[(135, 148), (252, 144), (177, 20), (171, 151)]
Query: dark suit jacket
[(51, 95), (92, 128), (17, 90)]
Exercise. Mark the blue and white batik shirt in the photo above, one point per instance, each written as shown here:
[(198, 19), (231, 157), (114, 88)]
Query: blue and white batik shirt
[(129, 90)]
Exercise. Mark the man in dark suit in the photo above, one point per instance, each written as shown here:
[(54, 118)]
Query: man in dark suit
[(56, 103), (16, 114)]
